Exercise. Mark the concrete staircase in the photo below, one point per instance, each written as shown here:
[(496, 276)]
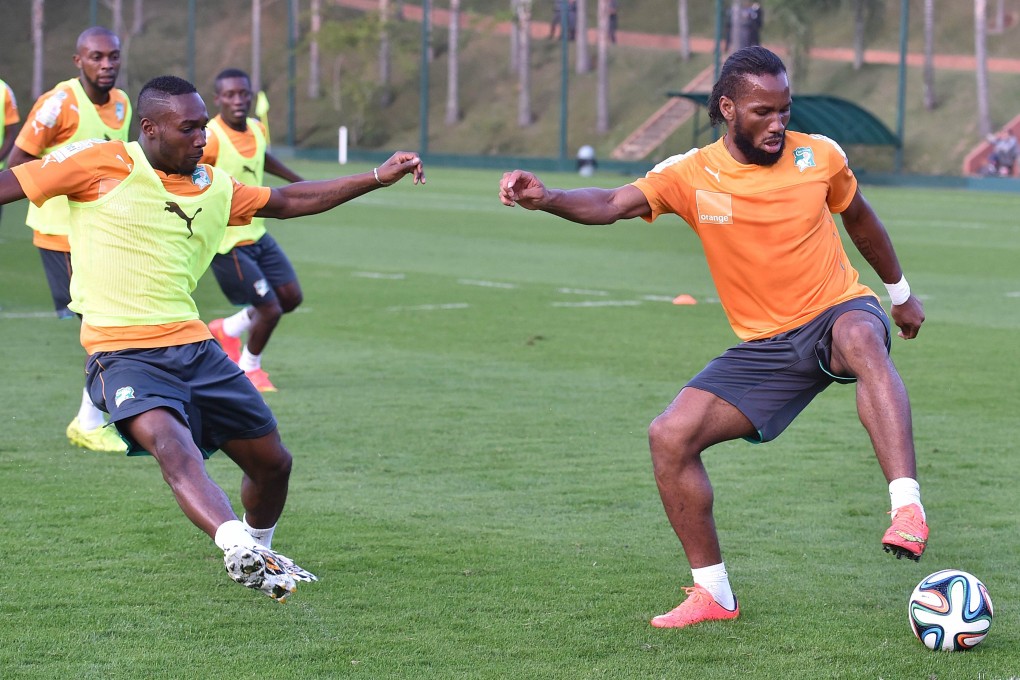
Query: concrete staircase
[(664, 122)]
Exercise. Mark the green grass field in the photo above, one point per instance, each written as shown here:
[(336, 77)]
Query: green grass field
[(466, 391)]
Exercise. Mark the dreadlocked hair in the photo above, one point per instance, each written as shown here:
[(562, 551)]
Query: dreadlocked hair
[(749, 61)]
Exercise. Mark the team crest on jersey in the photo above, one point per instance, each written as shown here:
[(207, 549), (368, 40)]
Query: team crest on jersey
[(119, 110), (200, 178), (123, 394), (803, 158)]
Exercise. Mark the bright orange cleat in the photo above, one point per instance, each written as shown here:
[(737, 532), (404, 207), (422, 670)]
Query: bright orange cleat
[(699, 606), (260, 379), (230, 345), (908, 535)]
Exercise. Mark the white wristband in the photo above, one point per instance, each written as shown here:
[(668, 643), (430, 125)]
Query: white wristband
[(899, 292), (375, 171)]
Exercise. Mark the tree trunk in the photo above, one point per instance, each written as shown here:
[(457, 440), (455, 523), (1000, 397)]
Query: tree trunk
[(733, 40), (602, 69), (138, 18), (685, 30), (453, 66), (515, 38), (859, 33), (385, 93), (117, 11), (981, 57), (256, 46), (524, 115), (314, 76), (930, 100), (583, 64), (38, 12)]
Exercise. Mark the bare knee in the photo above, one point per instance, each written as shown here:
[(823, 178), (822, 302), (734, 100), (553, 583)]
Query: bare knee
[(670, 443)]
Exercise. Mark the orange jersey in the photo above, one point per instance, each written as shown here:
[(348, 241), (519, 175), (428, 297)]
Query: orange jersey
[(244, 141), (53, 121), (769, 237), (11, 116), (86, 172)]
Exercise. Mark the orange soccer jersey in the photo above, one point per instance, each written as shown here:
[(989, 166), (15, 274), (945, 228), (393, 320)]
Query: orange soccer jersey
[(10, 112), (88, 171), (244, 142), (768, 233)]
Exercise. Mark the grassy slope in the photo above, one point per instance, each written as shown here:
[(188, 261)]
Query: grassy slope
[(936, 141), (472, 483)]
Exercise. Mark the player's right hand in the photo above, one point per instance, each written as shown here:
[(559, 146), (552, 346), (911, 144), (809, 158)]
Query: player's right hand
[(521, 188)]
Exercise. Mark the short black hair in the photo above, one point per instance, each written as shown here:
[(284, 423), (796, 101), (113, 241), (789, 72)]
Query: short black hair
[(158, 90), (749, 61), (230, 73)]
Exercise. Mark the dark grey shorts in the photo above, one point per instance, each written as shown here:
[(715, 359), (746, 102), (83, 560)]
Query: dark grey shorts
[(249, 275), (772, 380), (197, 381)]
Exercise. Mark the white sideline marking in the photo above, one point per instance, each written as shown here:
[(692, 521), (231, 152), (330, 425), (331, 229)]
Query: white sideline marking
[(30, 315), (379, 275), (1015, 293), (429, 308), (599, 303), (486, 284), (582, 291), (657, 298)]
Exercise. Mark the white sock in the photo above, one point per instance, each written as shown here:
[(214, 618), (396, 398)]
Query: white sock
[(237, 324), (249, 361), (232, 533), (904, 491), (89, 417), (715, 580), (263, 536)]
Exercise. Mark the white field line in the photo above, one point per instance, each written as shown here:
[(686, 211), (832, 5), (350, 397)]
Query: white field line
[(486, 284), (429, 308)]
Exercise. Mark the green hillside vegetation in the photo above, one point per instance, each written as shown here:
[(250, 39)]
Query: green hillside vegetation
[(936, 141)]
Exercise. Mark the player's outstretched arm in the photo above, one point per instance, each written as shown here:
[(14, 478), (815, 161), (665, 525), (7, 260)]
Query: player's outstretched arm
[(584, 206), (309, 198), (10, 188), (871, 238)]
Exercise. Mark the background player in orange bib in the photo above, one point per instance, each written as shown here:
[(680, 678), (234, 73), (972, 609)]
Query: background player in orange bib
[(761, 200), (250, 266)]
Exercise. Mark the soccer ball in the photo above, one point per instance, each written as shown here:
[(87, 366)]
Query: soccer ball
[(950, 610)]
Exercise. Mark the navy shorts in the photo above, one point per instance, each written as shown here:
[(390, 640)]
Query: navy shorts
[(772, 380), (207, 390), (57, 266), (249, 275)]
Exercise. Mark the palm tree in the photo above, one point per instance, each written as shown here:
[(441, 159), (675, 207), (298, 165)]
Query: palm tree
[(385, 95), (602, 69), (256, 45), (930, 102), (685, 30), (524, 115), (453, 66), (981, 57), (583, 64), (38, 49), (314, 78)]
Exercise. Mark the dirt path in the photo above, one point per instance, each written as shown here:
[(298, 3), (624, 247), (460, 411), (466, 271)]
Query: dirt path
[(656, 41)]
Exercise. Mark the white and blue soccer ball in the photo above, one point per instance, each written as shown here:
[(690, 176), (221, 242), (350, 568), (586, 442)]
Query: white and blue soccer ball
[(950, 610)]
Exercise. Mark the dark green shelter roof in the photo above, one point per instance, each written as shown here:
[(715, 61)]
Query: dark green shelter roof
[(839, 119)]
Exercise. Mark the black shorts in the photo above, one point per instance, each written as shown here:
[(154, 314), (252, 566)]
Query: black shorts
[(249, 275), (772, 380), (197, 381)]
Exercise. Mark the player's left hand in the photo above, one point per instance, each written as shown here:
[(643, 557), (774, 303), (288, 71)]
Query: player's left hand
[(908, 317), (399, 164)]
